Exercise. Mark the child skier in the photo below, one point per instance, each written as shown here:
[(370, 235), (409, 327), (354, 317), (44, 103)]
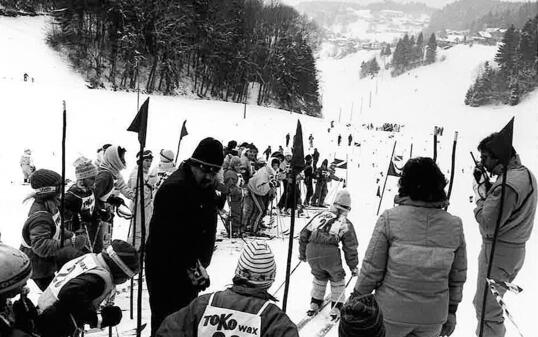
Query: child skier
[(165, 168), (77, 291), (27, 165), (233, 182), (319, 245)]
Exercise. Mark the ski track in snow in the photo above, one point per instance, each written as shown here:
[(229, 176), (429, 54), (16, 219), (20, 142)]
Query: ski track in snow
[(424, 97)]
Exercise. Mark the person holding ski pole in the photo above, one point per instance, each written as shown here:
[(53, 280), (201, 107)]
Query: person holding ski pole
[(319, 246)]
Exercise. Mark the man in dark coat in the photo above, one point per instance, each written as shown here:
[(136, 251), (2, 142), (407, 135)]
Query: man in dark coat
[(315, 158), (182, 232)]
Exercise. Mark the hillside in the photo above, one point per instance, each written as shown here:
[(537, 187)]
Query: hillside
[(424, 97)]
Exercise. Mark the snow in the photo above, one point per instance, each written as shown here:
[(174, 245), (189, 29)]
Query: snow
[(424, 97)]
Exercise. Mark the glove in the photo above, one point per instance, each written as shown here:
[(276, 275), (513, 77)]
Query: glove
[(25, 314), (354, 272), (110, 315), (80, 241), (273, 183), (115, 201), (199, 277), (449, 326)]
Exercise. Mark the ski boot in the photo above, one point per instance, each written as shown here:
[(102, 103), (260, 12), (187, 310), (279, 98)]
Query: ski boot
[(315, 307), (335, 311)]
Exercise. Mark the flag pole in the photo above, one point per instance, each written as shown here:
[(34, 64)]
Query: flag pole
[(492, 252), (297, 165), (453, 165), (435, 144), (62, 188), (183, 133), (131, 300), (386, 177)]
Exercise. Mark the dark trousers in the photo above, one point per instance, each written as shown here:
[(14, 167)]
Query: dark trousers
[(167, 297), (309, 192)]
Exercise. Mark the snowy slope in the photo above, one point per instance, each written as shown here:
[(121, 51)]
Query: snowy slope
[(428, 96)]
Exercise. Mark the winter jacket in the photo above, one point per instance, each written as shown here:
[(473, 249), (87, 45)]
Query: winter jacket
[(149, 183), (104, 187), (322, 237), (259, 183), (162, 172), (41, 238), (233, 181), (182, 230), (79, 207), (519, 206), (245, 162), (274, 322), (416, 262), (308, 174), (79, 297)]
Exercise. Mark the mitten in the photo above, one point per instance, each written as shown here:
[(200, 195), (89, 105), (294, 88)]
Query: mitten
[(110, 316), (449, 326), (80, 241)]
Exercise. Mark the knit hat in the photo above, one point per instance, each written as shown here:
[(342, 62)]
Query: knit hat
[(342, 200), (257, 264), (45, 182), (124, 258), (208, 155), (27, 151), (232, 144), (84, 168), (15, 268), (361, 316), (261, 160), (167, 156)]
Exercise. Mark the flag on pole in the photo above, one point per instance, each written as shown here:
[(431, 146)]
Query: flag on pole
[(297, 160), (183, 130), (140, 123), (501, 145), (392, 170), (339, 163)]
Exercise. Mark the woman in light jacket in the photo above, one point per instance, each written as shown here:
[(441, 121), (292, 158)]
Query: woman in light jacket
[(416, 261)]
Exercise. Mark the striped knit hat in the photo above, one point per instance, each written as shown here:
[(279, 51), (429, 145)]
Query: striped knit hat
[(15, 269), (257, 264), (84, 168)]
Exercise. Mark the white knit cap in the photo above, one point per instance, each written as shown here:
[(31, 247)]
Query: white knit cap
[(342, 200), (167, 156), (257, 264)]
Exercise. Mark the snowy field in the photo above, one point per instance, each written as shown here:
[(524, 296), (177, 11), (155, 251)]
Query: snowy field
[(420, 99)]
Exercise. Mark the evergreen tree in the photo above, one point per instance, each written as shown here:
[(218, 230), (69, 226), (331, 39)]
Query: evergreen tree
[(419, 48), (431, 50), (506, 54)]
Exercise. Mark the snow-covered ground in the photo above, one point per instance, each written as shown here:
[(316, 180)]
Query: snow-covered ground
[(424, 97)]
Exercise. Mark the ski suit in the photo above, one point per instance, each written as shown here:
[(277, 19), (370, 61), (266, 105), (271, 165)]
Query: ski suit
[(514, 231), (322, 176), (319, 245), (233, 182)]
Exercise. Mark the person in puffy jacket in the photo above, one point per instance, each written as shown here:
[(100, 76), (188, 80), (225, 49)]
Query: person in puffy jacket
[(41, 233), (233, 188), (261, 184), (27, 165), (416, 259), (149, 182), (319, 245), (81, 286), (246, 307)]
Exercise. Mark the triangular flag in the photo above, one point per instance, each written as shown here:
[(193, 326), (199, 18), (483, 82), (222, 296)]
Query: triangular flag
[(501, 144), (140, 123), (337, 161), (392, 170), (183, 130), (297, 160), (398, 157), (378, 194)]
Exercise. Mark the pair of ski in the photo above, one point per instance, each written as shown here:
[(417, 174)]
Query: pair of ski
[(310, 314)]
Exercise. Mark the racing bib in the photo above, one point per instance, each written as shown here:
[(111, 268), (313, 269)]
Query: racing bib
[(222, 322)]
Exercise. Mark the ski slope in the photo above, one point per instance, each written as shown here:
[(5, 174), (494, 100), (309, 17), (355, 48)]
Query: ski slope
[(420, 99)]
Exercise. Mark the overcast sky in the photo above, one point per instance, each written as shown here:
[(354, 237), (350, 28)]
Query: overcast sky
[(431, 3)]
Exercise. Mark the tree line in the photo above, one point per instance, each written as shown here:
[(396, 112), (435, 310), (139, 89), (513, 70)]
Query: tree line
[(214, 48), (515, 72), (410, 53)]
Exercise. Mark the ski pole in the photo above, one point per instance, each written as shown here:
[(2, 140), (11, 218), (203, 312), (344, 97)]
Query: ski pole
[(282, 284)]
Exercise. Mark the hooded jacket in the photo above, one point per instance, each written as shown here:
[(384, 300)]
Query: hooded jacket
[(259, 183), (416, 262)]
